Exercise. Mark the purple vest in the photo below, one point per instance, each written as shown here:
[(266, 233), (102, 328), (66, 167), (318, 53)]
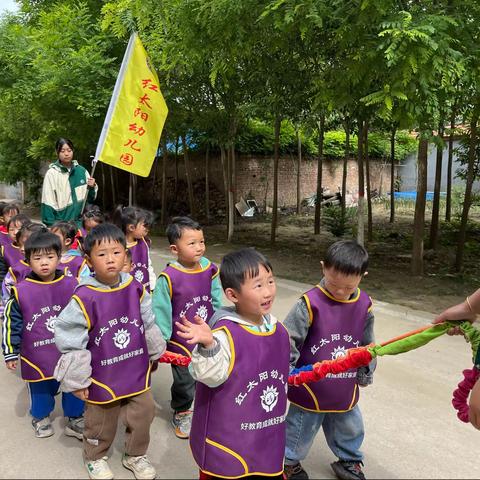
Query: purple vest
[(191, 294), (41, 303), (5, 239), (74, 266), (238, 428), (336, 326), (11, 254), (140, 263), (120, 361), (19, 271)]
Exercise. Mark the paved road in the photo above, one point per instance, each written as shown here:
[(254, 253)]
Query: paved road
[(411, 427)]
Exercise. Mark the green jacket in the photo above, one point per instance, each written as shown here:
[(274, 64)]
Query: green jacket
[(64, 191)]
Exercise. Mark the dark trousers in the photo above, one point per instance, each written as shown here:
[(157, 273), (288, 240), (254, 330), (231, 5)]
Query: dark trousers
[(183, 389)]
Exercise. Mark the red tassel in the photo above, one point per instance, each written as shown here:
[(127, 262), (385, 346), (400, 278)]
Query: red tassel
[(175, 359)]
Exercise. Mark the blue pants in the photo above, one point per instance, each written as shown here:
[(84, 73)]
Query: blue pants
[(42, 396), (343, 431)]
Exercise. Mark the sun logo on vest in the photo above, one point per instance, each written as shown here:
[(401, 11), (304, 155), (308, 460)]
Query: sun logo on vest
[(50, 323), (269, 398), (139, 276), (121, 338), (202, 312), (338, 352)]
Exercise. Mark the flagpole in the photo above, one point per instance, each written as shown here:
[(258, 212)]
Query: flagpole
[(94, 165)]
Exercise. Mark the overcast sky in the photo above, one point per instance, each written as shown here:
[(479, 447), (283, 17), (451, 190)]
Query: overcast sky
[(8, 5)]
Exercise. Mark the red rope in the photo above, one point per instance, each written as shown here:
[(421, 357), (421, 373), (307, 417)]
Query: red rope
[(175, 359)]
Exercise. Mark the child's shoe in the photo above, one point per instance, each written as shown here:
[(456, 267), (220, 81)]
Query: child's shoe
[(43, 428), (182, 423), (99, 469), (74, 427), (295, 472), (140, 466), (348, 470)]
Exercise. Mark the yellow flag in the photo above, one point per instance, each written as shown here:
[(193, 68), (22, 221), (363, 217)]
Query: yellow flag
[(136, 115)]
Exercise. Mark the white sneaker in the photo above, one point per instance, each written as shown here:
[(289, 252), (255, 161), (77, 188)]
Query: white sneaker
[(99, 469), (140, 466), (43, 428)]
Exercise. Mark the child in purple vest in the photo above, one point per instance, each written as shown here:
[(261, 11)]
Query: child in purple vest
[(72, 259), (135, 224), (108, 337), (241, 368), (188, 287), (328, 320), (28, 334), (7, 211)]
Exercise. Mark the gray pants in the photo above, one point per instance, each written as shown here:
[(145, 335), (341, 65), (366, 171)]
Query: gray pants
[(183, 389)]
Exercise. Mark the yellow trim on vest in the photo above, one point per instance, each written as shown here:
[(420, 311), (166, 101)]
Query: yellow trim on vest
[(186, 350), (261, 334), (371, 304), (82, 308), (108, 290), (169, 283), (143, 293), (215, 275), (105, 387), (35, 368), (185, 270), (232, 347), (309, 390), (41, 282), (118, 398), (326, 411), (10, 271), (147, 378), (8, 320), (309, 308), (230, 452), (15, 292), (331, 297)]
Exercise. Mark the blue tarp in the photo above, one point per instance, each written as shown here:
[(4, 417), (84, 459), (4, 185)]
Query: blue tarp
[(412, 195)]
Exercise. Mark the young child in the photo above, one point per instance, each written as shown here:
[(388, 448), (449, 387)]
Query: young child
[(71, 258), (241, 368), (328, 320), (187, 287), (108, 337), (10, 252), (135, 224), (90, 219), (7, 211), (30, 316), (127, 267)]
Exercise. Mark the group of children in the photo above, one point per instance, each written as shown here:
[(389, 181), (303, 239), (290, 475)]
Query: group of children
[(86, 315)]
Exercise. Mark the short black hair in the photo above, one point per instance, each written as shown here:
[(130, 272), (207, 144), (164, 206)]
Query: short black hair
[(10, 207), (176, 227), (28, 229), (125, 216), (237, 266), (101, 233), (347, 257), (68, 229), (21, 218), (61, 142), (40, 242), (93, 213)]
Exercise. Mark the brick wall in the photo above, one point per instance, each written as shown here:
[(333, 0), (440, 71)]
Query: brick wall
[(254, 176)]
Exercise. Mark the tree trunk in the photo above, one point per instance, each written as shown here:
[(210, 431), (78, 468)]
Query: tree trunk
[(345, 165), (392, 174), (419, 218), (207, 184), (233, 184), (448, 205), (112, 183), (468, 189), (177, 144), (299, 167), (231, 206), (433, 243), (275, 178), (191, 203), (163, 217), (226, 185), (361, 186), (104, 197), (318, 203), (369, 187)]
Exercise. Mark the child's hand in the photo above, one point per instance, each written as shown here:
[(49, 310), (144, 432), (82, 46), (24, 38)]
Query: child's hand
[(82, 394), (12, 364), (195, 332)]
